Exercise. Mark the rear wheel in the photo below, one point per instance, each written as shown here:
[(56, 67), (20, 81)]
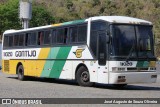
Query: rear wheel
[(83, 78), (20, 72)]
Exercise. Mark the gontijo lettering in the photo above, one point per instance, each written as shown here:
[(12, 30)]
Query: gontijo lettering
[(31, 53)]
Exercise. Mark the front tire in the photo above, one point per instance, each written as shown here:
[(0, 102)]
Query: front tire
[(20, 72), (83, 77)]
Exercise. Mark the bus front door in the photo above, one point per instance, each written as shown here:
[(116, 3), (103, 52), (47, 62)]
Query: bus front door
[(102, 56)]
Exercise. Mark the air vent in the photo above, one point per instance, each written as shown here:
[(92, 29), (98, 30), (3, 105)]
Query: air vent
[(6, 65), (131, 69)]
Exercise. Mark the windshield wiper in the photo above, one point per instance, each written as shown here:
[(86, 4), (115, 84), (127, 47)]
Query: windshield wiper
[(130, 52)]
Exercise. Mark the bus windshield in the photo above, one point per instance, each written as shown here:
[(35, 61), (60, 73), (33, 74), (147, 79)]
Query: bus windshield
[(132, 41)]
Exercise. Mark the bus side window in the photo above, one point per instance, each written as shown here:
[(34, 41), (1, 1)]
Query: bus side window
[(16, 39), (60, 36), (30, 39), (26, 39), (21, 40), (40, 37), (6, 41), (10, 41), (82, 33), (66, 39), (73, 34), (53, 36), (47, 37)]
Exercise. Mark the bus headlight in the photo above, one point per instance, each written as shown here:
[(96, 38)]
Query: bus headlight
[(118, 69)]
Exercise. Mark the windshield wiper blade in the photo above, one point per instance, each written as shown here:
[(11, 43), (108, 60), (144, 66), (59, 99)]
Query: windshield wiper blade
[(130, 52)]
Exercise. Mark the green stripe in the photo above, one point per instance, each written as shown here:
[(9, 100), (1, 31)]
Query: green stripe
[(146, 64), (142, 64), (52, 55), (73, 22), (59, 64)]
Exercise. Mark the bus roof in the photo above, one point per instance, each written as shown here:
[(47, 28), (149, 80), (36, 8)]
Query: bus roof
[(111, 19), (122, 19)]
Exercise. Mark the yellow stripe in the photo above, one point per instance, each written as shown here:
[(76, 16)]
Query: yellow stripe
[(40, 63), (57, 24)]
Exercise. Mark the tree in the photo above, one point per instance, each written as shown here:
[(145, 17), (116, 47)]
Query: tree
[(9, 16)]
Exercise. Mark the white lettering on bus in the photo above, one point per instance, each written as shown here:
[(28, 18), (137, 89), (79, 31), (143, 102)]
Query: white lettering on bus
[(31, 53), (8, 54)]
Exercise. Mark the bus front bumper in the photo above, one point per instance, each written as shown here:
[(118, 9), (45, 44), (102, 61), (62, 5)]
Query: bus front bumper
[(132, 77)]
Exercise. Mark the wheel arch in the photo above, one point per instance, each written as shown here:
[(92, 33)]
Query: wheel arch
[(79, 65), (19, 63)]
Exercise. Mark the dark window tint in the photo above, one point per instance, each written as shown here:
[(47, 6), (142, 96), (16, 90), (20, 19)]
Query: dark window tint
[(30, 39), (40, 37), (60, 35), (10, 41), (93, 42), (54, 37), (82, 33), (66, 39), (98, 25), (47, 37), (16, 39), (73, 34), (6, 41), (96, 28), (21, 40)]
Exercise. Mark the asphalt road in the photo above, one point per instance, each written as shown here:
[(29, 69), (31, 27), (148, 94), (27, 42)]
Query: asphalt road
[(11, 87)]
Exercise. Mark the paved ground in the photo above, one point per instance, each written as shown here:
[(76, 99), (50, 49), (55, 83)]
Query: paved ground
[(11, 87)]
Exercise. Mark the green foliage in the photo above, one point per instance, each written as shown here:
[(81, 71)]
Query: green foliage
[(40, 17), (9, 16)]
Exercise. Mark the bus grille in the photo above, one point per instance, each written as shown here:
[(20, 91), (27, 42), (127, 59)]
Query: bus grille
[(6, 65)]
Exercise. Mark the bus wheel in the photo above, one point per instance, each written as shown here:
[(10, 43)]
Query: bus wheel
[(82, 77), (20, 72)]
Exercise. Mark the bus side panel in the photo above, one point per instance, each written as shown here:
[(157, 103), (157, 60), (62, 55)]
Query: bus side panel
[(43, 64), (67, 71), (9, 66), (30, 67), (57, 59)]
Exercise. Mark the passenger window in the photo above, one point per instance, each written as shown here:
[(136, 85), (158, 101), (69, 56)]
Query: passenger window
[(47, 38), (40, 37), (21, 39), (54, 37), (73, 34), (6, 41), (82, 33), (60, 36), (10, 41), (16, 39), (66, 39), (30, 39)]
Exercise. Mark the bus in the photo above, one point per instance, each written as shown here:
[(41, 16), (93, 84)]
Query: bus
[(116, 50)]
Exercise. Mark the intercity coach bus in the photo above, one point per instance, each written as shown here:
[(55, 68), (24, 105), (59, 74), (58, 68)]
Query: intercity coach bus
[(103, 49)]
